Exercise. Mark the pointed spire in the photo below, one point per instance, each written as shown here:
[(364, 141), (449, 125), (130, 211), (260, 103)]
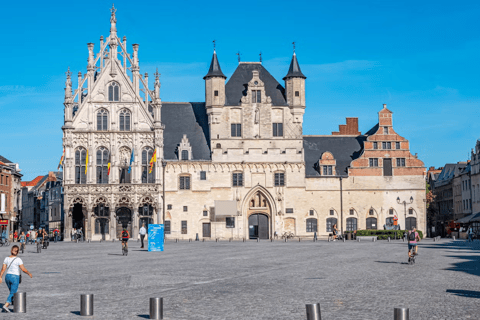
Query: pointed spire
[(215, 70), (113, 21), (294, 70), (68, 86)]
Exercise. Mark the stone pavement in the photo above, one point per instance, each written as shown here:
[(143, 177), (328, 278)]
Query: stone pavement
[(264, 280)]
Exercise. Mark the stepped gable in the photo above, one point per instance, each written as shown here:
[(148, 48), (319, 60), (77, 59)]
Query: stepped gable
[(344, 150), (237, 86), (187, 118)]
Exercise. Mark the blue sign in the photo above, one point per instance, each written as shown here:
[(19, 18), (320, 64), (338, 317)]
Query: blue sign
[(155, 237)]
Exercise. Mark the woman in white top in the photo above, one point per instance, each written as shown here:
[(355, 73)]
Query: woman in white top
[(12, 265)]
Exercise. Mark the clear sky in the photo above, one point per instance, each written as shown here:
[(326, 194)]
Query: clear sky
[(421, 58)]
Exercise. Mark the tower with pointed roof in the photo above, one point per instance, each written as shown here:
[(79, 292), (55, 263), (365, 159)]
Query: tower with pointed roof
[(214, 90), (295, 90)]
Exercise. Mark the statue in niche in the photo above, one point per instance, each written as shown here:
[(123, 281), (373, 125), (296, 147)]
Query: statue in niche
[(257, 115)]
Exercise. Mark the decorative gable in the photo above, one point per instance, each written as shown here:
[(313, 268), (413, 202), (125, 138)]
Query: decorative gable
[(185, 149)]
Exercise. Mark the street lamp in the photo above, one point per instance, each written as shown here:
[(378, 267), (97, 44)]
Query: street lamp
[(405, 208)]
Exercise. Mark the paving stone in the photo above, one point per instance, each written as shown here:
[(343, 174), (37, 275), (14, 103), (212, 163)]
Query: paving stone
[(264, 280)]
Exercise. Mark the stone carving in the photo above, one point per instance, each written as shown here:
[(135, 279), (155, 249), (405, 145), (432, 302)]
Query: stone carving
[(125, 139), (257, 115), (124, 155), (125, 188), (80, 139), (146, 139), (100, 200), (102, 139)]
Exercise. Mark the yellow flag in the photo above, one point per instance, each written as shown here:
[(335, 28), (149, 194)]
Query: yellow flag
[(154, 159), (86, 163)]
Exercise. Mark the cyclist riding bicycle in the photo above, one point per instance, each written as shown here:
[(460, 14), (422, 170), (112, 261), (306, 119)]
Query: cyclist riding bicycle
[(412, 241), (125, 236)]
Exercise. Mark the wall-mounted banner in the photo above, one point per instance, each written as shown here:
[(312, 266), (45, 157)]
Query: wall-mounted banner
[(155, 237)]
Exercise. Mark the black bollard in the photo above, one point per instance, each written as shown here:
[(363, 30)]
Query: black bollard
[(196, 238)]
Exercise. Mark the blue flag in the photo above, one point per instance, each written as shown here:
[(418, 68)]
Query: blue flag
[(131, 161)]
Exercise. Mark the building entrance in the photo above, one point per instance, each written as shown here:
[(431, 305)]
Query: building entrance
[(77, 217), (124, 220), (258, 226)]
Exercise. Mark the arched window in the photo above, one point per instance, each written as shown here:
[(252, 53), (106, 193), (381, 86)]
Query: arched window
[(80, 162), (101, 226), (145, 210), (312, 225), (101, 210), (371, 223), (184, 154), (351, 224), (147, 177), (330, 223), (102, 165), (114, 92), (410, 223), (125, 116), (102, 120)]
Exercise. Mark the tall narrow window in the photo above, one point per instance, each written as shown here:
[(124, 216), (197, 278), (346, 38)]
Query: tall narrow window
[(237, 179), (256, 96), (278, 129), (102, 165), (312, 225), (184, 182), (203, 175), (279, 179), (397, 145), (113, 92), (184, 227), (80, 158), (375, 145), (125, 116), (147, 177), (236, 129), (102, 120), (385, 130), (167, 227), (184, 154)]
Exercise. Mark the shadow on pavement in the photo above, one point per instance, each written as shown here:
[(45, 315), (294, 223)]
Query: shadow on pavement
[(145, 316), (465, 293), (75, 312), (115, 254)]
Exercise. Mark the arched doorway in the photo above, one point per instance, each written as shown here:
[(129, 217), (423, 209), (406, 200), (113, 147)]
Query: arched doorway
[(258, 226), (77, 217), (124, 220), (101, 227)]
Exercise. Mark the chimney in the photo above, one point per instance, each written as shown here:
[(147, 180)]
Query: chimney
[(349, 129)]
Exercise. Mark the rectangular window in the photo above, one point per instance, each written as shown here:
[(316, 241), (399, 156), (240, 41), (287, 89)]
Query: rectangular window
[(400, 162), (289, 210), (184, 154), (279, 179), (169, 207), (184, 183), (6, 180), (278, 129), (311, 212), (167, 227), (371, 212), (327, 170), (386, 145), (311, 225), (185, 208), (205, 213), (375, 145), (237, 179), (184, 227), (216, 93), (332, 212), (390, 212), (297, 93), (236, 129), (230, 222), (397, 145), (352, 212), (373, 162), (385, 130), (203, 175), (256, 96), (410, 211)]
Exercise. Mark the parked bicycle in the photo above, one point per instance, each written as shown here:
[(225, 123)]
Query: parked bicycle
[(411, 259), (4, 242), (287, 235)]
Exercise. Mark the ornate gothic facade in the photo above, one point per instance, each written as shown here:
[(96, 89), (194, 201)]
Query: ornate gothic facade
[(235, 166)]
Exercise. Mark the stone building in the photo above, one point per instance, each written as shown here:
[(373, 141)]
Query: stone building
[(234, 166), (10, 193)]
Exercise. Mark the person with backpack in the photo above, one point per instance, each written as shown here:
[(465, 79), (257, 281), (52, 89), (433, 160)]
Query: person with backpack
[(412, 241), (125, 237), (12, 265)]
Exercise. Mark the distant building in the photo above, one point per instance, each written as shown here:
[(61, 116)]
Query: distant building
[(10, 193)]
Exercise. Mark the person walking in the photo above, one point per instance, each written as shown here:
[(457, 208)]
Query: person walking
[(15, 236), (142, 232), (470, 234), (74, 233), (22, 240), (12, 265)]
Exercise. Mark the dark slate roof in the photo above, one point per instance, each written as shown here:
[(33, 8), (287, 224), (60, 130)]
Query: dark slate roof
[(237, 86), (185, 118), (294, 70), (344, 150), (373, 130), (215, 70), (5, 160)]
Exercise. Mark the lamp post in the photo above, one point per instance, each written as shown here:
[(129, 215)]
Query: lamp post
[(405, 207)]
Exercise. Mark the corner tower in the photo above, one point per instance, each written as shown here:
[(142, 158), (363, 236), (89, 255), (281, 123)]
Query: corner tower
[(214, 90), (295, 90)]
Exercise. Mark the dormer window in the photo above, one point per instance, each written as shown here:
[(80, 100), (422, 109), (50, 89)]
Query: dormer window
[(327, 170), (114, 92), (184, 149), (256, 96)]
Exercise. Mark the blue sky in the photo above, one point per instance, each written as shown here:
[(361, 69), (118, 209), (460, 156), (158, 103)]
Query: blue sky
[(418, 57)]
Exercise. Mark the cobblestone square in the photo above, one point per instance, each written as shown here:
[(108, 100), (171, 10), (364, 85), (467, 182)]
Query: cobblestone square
[(253, 280)]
